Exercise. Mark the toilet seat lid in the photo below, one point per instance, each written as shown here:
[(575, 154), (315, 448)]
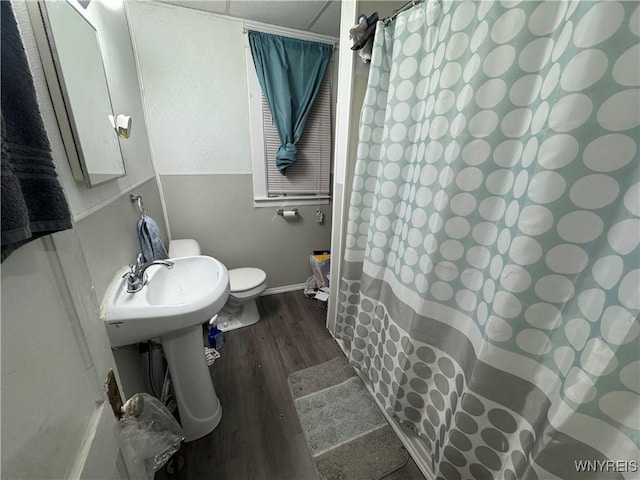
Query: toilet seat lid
[(246, 278)]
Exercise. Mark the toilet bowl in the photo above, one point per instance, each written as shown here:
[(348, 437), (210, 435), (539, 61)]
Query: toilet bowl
[(245, 284)]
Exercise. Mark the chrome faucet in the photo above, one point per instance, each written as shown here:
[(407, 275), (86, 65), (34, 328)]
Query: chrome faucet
[(136, 275)]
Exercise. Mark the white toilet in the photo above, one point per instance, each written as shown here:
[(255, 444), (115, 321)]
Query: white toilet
[(245, 284)]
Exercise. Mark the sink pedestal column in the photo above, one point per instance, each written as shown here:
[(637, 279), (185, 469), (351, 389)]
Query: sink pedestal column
[(198, 404)]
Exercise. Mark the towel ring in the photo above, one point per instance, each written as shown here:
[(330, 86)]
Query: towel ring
[(138, 199)]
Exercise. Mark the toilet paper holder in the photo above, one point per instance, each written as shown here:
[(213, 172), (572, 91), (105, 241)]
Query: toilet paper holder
[(288, 213)]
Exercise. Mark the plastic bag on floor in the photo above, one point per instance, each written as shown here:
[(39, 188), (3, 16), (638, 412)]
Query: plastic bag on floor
[(311, 287), (149, 435), (321, 267)]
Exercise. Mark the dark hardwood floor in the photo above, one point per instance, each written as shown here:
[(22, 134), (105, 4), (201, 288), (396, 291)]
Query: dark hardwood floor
[(259, 436)]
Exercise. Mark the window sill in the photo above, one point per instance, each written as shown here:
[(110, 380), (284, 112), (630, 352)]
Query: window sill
[(290, 200)]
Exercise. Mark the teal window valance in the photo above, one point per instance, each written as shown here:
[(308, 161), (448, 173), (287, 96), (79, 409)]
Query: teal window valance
[(290, 72)]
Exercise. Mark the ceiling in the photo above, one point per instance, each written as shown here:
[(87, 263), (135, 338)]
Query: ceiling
[(308, 15)]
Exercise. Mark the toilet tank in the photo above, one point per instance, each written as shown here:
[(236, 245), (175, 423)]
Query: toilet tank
[(184, 248)]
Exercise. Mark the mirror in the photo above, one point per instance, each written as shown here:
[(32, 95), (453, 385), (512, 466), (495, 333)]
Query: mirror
[(70, 52)]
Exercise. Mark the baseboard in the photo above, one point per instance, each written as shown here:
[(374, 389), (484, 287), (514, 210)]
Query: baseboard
[(284, 289), (411, 442)]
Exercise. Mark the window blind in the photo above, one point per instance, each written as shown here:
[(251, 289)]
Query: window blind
[(311, 174)]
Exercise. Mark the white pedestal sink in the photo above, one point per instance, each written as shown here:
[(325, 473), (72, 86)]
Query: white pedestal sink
[(172, 306), (198, 404)]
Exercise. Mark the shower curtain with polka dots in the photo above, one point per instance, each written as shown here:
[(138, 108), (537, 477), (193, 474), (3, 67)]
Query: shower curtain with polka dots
[(490, 283)]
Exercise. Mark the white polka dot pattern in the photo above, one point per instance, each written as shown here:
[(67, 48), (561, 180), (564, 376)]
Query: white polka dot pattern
[(497, 175)]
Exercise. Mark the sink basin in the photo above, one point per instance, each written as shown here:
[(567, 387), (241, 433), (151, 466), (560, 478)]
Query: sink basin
[(172, 306), (190, 293)]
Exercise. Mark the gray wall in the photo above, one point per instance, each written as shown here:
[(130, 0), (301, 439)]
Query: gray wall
[(103, 239), (45, 401), (108, 240), (109, 236), (218, 211), (195, 90)]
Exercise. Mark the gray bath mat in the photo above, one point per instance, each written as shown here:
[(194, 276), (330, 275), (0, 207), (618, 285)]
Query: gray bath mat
[(346, 433)]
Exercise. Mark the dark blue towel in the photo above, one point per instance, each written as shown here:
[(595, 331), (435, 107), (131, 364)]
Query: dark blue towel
[(151, 240), (33, 203)]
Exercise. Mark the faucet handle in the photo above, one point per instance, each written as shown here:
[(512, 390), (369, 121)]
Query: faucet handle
[(131, 272), (134, 281), (139, 260)]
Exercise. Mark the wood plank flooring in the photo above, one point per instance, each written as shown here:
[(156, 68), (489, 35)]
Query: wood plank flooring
[(259, 436)]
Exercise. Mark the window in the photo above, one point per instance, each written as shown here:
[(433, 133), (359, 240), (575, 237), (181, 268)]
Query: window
[(308, 181)]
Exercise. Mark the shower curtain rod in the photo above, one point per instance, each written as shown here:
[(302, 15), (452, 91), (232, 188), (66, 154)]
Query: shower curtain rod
[(397, 12)]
